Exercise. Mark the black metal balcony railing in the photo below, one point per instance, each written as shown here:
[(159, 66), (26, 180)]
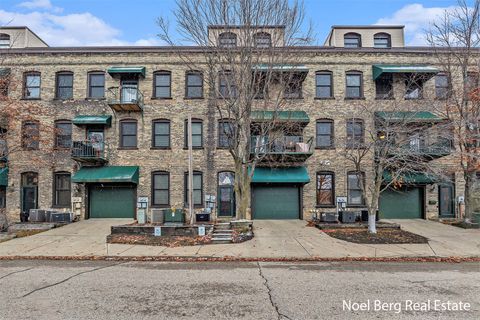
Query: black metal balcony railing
[(286, 148), (89, 151), (125, 98), (420, 148)]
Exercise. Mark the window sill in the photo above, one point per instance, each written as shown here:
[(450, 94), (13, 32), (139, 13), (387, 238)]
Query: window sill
[(410, 99), (95, 99), (63, 100), (325, 148), (161, 98), (194, 148), (356, 206), (193, 98), (288, 98), (326, 98), (61, 207), (325, 206), (160, 206), (359, 98), (160, 148), (387, 99), (127, 148), (31, 99)]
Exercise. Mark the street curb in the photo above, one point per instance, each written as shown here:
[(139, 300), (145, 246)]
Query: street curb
[(238, 259)]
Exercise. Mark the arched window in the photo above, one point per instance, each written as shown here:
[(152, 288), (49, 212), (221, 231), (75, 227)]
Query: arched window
[(382, 40), (262, 40), (354, 85), (161, 133), (64, 85), (63, 134), (227, 40), (352, 40), (355, 181), (324, 84), (128, 134), (62, 190), (197, 133), (355, 133), (324, 133), (4, 41), (197, 194), (162, 84), (227, 87), (31, 85), (194, 85), (30, 135)]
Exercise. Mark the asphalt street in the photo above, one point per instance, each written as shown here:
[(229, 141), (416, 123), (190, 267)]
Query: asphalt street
[(233, 290)]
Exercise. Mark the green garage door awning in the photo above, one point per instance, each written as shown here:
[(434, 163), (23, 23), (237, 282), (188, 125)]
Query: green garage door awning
[(127, 70), (408, 116), (298, 116), (105, 120), (379, 69), (281, 175), (4, 177), (411, 178), (107, 174)]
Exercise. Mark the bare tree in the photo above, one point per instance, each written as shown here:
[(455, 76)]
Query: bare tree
[(390, 146), (455, 39), (252, 70)]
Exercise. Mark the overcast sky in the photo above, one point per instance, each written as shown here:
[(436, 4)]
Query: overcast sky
[(121, 22)]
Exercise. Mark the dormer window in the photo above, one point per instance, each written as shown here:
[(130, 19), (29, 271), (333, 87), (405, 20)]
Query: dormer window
[(382, 40), (4, 41), (263, 40), (352, 40), (227, 40)]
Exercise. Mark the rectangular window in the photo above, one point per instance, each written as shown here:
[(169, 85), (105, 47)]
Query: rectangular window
[(96, 85), (128, 132), (197, 136), (160, 189), (64, 86), (293, 87), (354, 86), (441, 86), (225, 134), (197, 189), (62, 197), (32, 86), (30, 136), (194, 85), (324, 85), (3, 197), (4, 83), (63, 134), (162, 85), (325, 193), (227, 88), (161, 134), (384, 87), (355, 134), (324, 134), (354, 192)]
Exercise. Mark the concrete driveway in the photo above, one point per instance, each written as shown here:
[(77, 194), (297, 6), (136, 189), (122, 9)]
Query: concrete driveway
[(273, 239)]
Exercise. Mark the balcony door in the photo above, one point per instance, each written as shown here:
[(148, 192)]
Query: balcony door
[(129, 93), (96, 137)]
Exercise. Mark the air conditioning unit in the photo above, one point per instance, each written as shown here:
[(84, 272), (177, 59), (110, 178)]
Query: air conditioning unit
[(329, 217), (37, 215), (60, 217), (349, 217), (157, 215)]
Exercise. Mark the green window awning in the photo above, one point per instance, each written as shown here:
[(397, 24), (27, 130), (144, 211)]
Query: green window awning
[(127, 70), (108, 174), (280, 67), (411, 178), (408, 116), (298, 116), (105, 120), (4, 177), (379, 69), (281, 175)]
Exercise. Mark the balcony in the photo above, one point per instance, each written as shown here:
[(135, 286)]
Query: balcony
[(89, 152), (125, 99), (286, 149), (428, 151)]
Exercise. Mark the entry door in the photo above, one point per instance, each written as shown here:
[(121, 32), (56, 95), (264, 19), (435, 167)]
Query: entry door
[(96, 137), (226, 194), (129, 91), (446, 203), (29, 199)]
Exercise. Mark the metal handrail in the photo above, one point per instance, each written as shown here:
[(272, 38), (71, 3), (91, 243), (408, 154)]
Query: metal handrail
[(125, 95), (88, 149), (284, 144)]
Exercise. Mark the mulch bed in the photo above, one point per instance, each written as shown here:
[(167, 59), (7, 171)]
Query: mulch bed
[(151, 240), (383, 236)]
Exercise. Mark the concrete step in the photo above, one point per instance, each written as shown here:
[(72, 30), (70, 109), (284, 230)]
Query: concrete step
[(218, 234), (223, 230), (222, 240)]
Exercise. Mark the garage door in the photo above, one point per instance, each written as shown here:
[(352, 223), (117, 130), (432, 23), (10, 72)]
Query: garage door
[(112, 202), (276, 202), (405, 203)]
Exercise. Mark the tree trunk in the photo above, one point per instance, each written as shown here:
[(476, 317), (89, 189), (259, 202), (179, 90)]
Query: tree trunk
[(372, 227), (469, 181), (242, 189)]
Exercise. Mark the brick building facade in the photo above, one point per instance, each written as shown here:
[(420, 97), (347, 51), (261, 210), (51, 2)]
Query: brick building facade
[(150, 142)]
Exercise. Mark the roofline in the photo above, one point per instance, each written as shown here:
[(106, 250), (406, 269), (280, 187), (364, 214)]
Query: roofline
[(199, 49), (27, 28), (373, 26), (219, 26)]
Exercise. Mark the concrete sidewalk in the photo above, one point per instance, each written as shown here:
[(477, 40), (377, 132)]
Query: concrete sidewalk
[(273, 239)]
